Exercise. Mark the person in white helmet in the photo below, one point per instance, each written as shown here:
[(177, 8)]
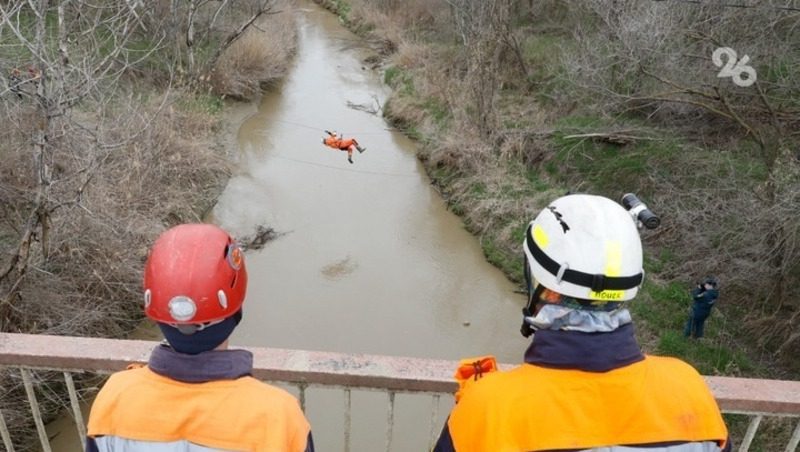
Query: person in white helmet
[(585, 384)]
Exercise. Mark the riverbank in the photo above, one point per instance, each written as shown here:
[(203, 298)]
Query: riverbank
[(122, 148), (507, 118), (516, 104)]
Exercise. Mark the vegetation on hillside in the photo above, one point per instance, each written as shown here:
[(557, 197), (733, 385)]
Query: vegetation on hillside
[(516, 102), (111, 114)]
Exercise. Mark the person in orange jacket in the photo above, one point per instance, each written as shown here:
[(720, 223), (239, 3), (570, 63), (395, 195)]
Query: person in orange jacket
[(335, 141), (195, 394), (585, 384)]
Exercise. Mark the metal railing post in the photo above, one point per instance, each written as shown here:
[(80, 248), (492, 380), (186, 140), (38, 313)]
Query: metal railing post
[(795, 439), (76, 407), (347, 419), (751, 433), (37, 414), (4, 434), (390, 422), (434, 434)]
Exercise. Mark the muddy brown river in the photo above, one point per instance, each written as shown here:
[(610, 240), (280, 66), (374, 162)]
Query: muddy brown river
[(369, 259)]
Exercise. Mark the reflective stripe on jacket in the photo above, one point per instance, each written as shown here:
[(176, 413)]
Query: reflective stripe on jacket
[(138, 406), (655, 401)]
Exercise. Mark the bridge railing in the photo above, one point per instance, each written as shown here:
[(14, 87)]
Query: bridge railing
[(301, 369)]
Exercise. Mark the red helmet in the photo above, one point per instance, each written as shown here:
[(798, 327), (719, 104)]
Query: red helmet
[(195, 274)]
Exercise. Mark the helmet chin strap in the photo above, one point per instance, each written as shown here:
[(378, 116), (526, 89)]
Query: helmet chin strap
[(533, 297)]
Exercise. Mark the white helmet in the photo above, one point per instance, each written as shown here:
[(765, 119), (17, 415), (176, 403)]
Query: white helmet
[(586, 247)]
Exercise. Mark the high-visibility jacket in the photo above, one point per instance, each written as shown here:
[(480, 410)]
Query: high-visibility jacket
[(332, 141), (138, 406), (655, 400), (337, 142)]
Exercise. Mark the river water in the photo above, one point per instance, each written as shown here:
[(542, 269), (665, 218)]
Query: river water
[(369, 259)]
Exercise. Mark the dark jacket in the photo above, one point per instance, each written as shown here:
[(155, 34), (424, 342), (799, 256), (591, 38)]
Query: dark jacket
[(703, 301)]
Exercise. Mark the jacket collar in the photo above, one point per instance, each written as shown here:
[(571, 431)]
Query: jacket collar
[(202, 367), (592, 352)]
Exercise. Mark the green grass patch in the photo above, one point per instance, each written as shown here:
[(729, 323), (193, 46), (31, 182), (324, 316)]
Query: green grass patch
[(708, 356), (603, 166), (611, 169), (535, 180), (655, 264), (437, 110), (543, 55), (510, 264), (391, 74), (777, 71), (442, 175), (477, 190), (343, 9), (414, 133), (204, 103), (665, 309), (748, 164), (538, 48), (399, 80)]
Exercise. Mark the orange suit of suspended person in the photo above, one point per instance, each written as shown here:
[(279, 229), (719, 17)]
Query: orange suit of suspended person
[(335, 141)]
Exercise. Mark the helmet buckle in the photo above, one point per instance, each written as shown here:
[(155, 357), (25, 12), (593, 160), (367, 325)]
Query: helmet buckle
[(598, 282), (560, 275)]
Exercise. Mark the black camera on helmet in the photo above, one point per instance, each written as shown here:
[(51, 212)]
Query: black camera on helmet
[(639, 211)]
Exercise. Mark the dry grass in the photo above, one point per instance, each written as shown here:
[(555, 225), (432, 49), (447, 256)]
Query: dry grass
[(118, 167), (259, 58), (86, 279), (397, 21)]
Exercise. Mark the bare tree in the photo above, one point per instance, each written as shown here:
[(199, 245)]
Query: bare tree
[(96, 160), (660, 61), (203, 39), (63, 68), (483, 28)]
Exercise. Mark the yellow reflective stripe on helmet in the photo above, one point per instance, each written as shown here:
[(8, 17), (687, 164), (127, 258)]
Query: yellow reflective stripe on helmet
[(613, 268), (540, 237)]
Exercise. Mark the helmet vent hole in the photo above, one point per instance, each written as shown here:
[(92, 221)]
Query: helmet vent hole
[(223, 299), (233, 280)]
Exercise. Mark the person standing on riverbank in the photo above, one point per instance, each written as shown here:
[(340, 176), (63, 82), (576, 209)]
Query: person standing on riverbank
[(703, 298), (585, 384), (336, 141), (195, 394)]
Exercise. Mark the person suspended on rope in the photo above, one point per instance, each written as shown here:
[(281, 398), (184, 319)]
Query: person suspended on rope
[(336, 141)]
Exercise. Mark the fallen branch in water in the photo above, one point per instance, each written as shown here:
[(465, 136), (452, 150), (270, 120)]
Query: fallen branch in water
[(257, 241)]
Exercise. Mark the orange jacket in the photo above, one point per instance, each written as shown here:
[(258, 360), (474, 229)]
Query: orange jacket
[(335, 141), (332, 141), (533, 408), (239, 414)]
